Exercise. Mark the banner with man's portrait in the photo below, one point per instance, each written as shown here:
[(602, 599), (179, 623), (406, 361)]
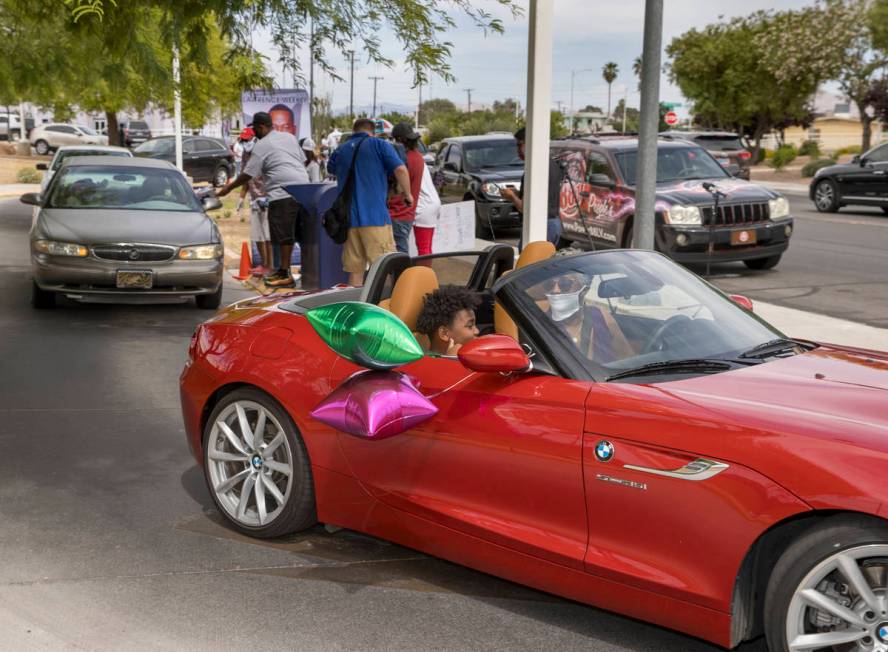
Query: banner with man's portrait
[(288, 108)]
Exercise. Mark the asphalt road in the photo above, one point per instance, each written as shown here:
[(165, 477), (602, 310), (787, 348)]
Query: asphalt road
[(110, 541), (836, 265)]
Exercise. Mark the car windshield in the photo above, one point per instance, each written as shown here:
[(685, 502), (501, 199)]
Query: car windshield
[(138, 125), (154, 147), (674, 164), (624, 309), (87, 131), (64, 155), (123, 188), (492, 154), (719, 143)]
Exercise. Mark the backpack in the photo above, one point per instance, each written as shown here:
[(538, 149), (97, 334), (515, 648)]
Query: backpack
[(337, 219)]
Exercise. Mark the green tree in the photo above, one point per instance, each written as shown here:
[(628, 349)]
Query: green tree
[(395, 117), (432, 109), (609, 72), (637, 65), (558, 125), (631, 118)]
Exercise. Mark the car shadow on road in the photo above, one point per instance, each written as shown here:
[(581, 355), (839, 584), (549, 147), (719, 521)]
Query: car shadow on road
[(358, 562)]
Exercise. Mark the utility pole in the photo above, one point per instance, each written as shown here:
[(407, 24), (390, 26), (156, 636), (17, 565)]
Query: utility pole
[(560, 103), (469, 91), (376, 80), (625, 101), (351, 91), (419, 106), (646, 183), (177, 101), (311, 74)]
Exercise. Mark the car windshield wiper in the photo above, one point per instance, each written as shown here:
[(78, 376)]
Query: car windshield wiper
[(772, 347), (691, 365)]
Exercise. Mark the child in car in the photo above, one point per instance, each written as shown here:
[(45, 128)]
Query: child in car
[(448, 318)]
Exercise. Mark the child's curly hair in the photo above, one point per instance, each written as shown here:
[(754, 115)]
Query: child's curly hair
[(439, 308)]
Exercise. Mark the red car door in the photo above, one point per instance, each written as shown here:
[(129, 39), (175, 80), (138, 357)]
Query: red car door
[(502, 460)]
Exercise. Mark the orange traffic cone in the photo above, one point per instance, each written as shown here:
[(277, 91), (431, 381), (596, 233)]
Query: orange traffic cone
[(245, 264)]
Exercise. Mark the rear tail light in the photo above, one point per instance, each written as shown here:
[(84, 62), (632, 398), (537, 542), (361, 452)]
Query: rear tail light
[(744, 155)]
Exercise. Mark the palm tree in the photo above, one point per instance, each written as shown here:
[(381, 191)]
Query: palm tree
[(636, 68), (609, 72)]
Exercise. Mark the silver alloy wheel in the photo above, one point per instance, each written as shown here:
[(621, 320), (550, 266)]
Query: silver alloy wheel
[(842, 604), (42, 147), (824, 196), (250, 464)]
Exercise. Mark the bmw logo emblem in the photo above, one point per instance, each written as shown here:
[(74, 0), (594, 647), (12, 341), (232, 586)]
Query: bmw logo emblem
[(257, 462), (604, 451), (883, 633)]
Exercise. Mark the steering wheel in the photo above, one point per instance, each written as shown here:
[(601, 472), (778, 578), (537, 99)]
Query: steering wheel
[(658, 338)]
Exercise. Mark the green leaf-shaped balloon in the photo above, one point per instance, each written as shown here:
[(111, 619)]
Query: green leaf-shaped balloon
[(365, 334)]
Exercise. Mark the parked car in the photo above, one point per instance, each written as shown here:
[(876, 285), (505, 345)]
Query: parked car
[(49, 137), (476, 168), (753, 223), (68, 151), (114, 229), (679, 461), (10, 126), (862, 182), (134, 132), (204, 158), (725, 146)]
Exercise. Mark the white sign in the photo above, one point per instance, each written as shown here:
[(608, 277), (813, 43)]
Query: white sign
[(455, 229), (288, 108)]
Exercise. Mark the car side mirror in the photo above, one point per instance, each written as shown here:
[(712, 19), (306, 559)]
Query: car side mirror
[(450, 166), (602, 180), (31, 198), (494, 353), (211, 203), (740, 300), (858, 160), (42, 166)]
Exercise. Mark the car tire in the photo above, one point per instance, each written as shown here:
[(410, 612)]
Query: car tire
[(482, 227), (819, 567), (826, 196), (763, 263), (209, 301), (42, 147), (42, 299), (235, 463), (220, 176)]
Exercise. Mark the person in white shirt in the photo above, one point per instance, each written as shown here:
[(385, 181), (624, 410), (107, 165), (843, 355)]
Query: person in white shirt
[(428, 209), (332, 139), (311, 160)]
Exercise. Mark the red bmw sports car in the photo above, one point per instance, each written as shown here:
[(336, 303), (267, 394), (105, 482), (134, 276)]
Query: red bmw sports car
[(662, 453)]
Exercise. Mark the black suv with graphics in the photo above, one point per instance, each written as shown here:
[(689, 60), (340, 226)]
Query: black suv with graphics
[(476, 168), (752, 223)]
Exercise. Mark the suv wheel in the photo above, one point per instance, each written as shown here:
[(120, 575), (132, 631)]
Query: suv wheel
[(42, 147), (220, 178), (826, 197)]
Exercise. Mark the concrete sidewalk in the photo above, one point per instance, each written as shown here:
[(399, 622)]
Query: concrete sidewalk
[(779, 186), (811, 326)]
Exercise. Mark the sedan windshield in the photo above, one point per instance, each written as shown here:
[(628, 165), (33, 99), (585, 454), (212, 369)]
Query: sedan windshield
[(674, 164), (155, 147), (122, 187), (631, 313), (495, 154)]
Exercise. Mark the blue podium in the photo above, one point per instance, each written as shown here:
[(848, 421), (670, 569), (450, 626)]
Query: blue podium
[(321, 257)]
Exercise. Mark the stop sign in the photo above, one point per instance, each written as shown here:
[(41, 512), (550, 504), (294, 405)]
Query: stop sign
[(671, 118)]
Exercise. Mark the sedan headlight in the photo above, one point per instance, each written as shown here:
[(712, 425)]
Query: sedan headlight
[(684, 215), (61, 248), (779, 207), (491, 189), (201, 252)]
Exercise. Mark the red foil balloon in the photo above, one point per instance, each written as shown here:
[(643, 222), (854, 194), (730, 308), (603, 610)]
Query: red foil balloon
[(375, 405)]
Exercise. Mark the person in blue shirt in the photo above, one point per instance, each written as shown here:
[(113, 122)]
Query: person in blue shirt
[(370, 232)]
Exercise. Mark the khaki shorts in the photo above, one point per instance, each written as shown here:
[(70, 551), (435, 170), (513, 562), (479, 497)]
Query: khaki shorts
[(364, 245)]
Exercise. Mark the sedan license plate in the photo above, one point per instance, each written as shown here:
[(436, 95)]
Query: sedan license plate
[(135, 279), (724, 162), (742, 238)]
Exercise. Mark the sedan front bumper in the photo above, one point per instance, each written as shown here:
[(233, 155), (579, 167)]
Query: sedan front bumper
[(497, 213), (771, 239), (91, 278)]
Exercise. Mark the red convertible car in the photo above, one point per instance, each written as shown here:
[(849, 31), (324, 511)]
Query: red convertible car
[(660, 452)]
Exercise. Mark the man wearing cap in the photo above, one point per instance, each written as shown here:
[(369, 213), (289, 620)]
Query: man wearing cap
[(403, 215), (280, 161), (370, 233)]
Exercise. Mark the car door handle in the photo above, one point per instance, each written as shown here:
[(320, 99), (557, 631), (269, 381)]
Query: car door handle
[(699, 469), (878, 171)]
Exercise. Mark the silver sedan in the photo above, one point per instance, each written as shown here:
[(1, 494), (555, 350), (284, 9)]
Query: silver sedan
[(124, 230)]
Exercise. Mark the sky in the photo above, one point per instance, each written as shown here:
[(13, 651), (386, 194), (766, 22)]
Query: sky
[(587, 34)]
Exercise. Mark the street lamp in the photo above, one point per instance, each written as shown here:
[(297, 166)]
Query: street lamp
[(573, 74)]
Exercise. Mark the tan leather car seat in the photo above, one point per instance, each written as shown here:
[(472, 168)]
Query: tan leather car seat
[(411, 288), (534, 252)]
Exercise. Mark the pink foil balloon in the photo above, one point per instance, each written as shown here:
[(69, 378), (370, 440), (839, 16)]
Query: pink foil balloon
[(375, 405)]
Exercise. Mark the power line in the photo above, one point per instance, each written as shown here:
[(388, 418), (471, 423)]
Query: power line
[(375, 80), (351, 90)]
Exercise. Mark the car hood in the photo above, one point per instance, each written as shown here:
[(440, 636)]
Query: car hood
[(88, 226), (498, 174), (823, 392), (840, 168), (693, 193)]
